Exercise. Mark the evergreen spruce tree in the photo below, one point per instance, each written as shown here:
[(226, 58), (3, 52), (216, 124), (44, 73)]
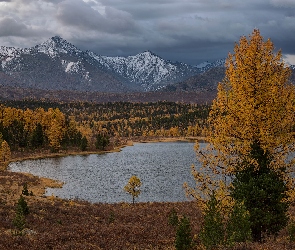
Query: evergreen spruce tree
[(21, 211), (263, 191), (37, 136), (101, 141), (183, 240), (83, 144)]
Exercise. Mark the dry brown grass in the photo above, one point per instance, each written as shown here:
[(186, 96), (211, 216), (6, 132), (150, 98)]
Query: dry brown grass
[(64, 224)]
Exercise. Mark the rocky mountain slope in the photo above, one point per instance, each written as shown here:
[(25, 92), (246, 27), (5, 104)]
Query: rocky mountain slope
[(208, 80), (204, 82), (57, 68), (59, 65)]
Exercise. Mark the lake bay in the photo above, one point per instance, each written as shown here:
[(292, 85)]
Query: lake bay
[(162, 167)]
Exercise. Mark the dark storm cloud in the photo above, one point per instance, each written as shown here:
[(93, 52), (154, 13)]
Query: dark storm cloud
[(190, 30), (10, 27), (80, 14)]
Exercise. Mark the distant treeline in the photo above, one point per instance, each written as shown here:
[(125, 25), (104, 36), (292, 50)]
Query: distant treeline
[(31, 124)]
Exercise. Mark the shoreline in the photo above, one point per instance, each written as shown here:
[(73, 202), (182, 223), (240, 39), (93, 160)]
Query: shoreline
[(51, 183), (130, 142)]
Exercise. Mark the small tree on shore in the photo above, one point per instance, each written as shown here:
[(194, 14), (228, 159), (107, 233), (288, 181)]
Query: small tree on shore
[(133, 187)]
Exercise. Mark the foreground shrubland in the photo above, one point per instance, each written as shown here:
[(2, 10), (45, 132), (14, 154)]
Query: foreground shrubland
[(53, 223)]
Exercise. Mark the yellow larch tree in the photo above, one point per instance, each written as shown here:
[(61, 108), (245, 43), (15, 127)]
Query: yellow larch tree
[(5, 151), (30, 120), (249, 125), (133, 187), (54, 123)]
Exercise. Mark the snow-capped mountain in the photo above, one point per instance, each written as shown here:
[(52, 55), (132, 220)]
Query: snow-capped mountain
[(54, 65), (57, 64), (146, 69), (55, 46)]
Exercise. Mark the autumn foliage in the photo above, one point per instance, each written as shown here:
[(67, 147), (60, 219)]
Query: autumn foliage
[(133, 187), (250, 131), (20, 127), (31, 126)]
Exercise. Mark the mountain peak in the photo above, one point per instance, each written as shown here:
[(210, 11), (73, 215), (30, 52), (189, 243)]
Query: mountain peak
[(148, 53), (57, 38), (55, 45)]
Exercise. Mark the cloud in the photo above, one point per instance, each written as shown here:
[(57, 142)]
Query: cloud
[(79, 14), (53, 1), (187, 30), (290, 59), (283, 3), (10, 27)]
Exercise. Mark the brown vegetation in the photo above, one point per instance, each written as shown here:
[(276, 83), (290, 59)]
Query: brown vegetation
[(63, 224), (54, 223)]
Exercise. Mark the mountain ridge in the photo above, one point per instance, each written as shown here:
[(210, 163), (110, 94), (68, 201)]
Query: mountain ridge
[(57, 65), (72, 68)]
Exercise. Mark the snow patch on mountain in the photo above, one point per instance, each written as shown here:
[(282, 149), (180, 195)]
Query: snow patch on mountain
[(56, 45), (57, 60), (8, 53), (71, 67), (9, 57), (145, 69), (76, 68)]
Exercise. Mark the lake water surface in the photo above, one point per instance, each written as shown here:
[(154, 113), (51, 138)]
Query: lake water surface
[(162, 167)]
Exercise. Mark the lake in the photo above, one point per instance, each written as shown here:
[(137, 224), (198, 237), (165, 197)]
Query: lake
[(162, 167)]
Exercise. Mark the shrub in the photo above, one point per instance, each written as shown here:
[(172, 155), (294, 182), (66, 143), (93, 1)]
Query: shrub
[(25, 190), (111, 218), (238, 228), (22, 206), (173, 218), (291, 231), (21, 211), (183, 239), (212, 232)]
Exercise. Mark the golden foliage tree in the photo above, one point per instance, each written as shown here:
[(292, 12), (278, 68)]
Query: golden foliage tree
[(133, 186), (54, 121), (5, 151), (249, 131), (255, 103)]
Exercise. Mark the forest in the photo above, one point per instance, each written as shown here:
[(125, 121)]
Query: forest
[(243, 197), (32, 124)]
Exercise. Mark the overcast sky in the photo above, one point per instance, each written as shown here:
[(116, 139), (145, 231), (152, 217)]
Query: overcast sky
[(190, 31)]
